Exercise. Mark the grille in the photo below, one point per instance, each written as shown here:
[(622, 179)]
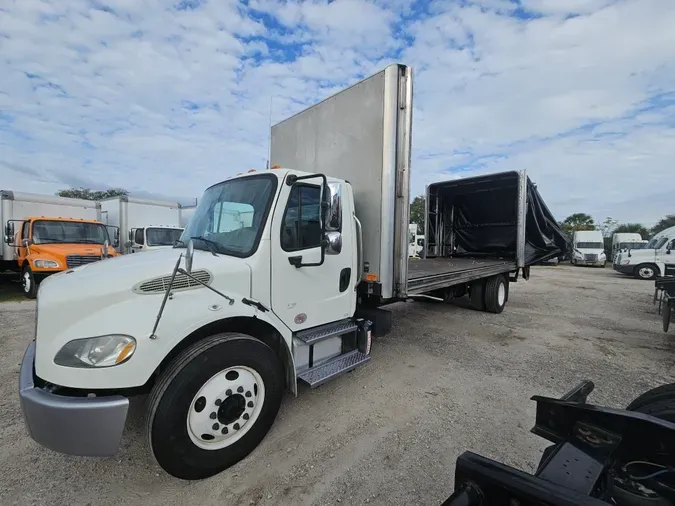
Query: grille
[(77, 260), (591, 258), (182, 282)]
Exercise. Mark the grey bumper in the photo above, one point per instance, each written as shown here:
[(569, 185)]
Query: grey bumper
[(87, 426)]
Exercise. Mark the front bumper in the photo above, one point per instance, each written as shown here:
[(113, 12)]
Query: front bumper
[(86, 426), (594, 263), (623, 269)]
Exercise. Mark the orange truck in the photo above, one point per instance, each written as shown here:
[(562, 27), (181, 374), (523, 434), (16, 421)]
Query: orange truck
[(46, 234)]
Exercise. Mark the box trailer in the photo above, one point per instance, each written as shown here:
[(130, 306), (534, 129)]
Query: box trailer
[(144, 224), (280, 283)]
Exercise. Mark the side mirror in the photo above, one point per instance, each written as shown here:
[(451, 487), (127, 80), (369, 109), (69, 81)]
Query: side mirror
[(9, 239), (334, 212), (333, 243)]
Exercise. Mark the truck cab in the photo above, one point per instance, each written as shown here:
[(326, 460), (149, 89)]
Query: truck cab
[(46, 245), (588, 248), (656, 258), (623, 241), (153, 237)]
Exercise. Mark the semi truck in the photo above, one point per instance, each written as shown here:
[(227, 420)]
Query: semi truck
[(588, 248), (45, 234), (279, 279), (626, 240), (655, 259), (144, 224)]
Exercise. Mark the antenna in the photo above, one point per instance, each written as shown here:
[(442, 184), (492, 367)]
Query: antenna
[(269, 136)]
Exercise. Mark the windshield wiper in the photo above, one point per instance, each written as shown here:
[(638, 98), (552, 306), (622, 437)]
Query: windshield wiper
[(209, 244)]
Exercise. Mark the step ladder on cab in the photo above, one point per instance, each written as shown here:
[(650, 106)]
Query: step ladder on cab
[(328, 351)]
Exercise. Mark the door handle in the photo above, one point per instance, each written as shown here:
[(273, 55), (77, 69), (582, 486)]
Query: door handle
[(296, 261)]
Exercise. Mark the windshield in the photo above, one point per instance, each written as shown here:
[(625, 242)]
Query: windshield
[(631, 245), (162, 236), (71, 232), (656, 242), (232, 214), (590, 245)]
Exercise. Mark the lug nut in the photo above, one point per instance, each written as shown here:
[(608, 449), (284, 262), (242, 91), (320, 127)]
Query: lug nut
[(218, 402), (224, 431), (235, 426), (240, 389), (213, 415), (245, 416), (250, 404), (216, 426), (228, 392), (248, 394)]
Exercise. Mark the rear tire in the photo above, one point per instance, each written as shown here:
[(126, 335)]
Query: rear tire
[(658, 402), (496, 294), (192, 393), (477, 295), (29, 282), (646, 271)]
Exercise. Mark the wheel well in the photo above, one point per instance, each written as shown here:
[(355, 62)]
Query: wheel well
[(253, 327)]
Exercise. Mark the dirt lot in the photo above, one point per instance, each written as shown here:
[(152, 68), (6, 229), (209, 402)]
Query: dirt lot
[(446, 379)]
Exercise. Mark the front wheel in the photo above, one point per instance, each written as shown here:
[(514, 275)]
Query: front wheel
[(213, 405), (646, 271), (29, 282)]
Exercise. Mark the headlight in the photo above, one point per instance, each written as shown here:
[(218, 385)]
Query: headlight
[(102, 351), (625, 262), (602, 255), (46, 264)]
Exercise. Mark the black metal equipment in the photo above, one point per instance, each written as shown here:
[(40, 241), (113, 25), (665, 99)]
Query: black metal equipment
[(599, 456), (664, 294)]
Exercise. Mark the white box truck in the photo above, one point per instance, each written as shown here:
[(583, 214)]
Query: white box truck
[(655, 259), (282, 284), (588, 248), (144, 224)]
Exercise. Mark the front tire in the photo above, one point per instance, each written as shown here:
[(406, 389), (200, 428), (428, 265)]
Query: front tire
[(213, 405), (646, 271), (658, 402), (29, 282)]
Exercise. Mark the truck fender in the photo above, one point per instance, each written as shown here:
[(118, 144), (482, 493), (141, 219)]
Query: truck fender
[(256, 326)]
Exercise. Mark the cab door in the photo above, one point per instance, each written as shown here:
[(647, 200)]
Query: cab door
[(668, 258), (24, 233), (309, 288)]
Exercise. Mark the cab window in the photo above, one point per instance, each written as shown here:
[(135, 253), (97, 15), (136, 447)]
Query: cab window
[(25, 230), (301, 227)]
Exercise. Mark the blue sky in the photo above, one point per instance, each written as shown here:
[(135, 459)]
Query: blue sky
[(167, 97)]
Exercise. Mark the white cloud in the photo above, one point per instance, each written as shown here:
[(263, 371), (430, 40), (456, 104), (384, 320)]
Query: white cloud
[(154, 99)]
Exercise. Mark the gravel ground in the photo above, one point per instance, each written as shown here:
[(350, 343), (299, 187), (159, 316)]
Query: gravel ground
[(447, 379)]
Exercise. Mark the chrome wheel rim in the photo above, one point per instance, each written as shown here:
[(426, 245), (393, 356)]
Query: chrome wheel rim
[(225, 408), (501, 294), (26, 282), (646, 272)]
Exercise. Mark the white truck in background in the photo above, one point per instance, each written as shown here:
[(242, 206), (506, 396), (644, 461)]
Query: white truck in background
[(588, 248), (186, 213), (655, 259), (144, 224), (279, 279), (416, 241), (626, 240)]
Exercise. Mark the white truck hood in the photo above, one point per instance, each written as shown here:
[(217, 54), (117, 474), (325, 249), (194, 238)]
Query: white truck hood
[(636, 256), (104, 298)]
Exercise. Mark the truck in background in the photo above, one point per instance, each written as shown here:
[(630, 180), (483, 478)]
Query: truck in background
[(588, 248), (655, 259), (624, 241), (144, 224), (279, 279), (416, 240), (45, 234), (186, 213)]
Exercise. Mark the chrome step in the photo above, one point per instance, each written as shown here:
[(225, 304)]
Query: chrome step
[(333, 368), (316, 334)]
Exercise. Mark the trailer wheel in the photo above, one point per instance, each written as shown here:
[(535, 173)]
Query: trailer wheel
[(213, 405), (666, 314), (496, 294), (658, 402), (646, 271), (29, 282), (477, 295)]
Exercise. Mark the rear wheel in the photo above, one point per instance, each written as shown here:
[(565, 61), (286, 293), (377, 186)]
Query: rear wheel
[(28, 282), (658, 402), (496, 294), (646, 271), (213, 405), (477, 295)]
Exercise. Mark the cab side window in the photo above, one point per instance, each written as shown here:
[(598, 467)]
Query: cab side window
[(138, 236), (301, 226), (25, 230)]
